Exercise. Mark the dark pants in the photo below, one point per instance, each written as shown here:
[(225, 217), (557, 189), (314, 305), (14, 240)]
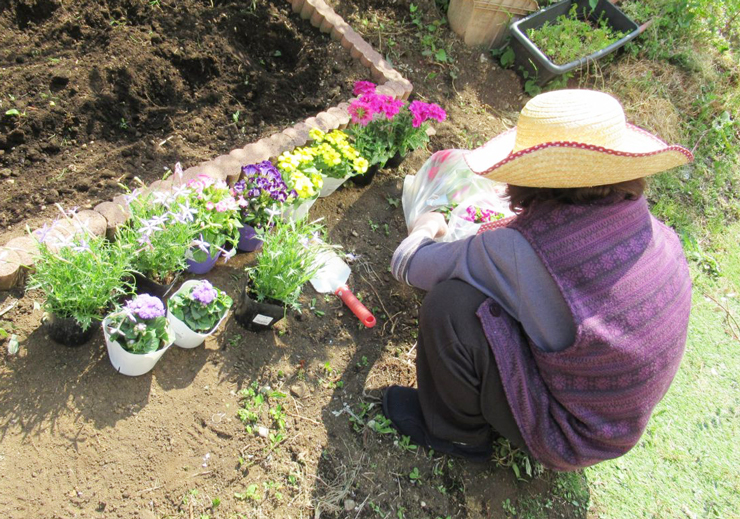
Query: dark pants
[(459, 383)]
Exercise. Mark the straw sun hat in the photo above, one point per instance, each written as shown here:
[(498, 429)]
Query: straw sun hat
[(573, 138)]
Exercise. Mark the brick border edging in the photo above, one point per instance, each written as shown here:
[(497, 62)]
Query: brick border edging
[(20, 253)]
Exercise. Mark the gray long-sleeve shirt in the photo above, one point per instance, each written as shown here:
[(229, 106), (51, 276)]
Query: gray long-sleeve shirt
[(502, 265)]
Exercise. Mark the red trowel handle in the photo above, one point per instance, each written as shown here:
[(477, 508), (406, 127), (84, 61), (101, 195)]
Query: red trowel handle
[(354, 304)]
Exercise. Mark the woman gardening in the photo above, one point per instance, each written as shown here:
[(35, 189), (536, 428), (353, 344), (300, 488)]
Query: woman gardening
[(561, 328)]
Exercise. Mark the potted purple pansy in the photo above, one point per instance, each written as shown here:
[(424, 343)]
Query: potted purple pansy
[(195, 312), (138, 335), (261, 194)]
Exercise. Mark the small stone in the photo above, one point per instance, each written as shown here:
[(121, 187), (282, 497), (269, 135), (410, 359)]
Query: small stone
[(298, 390), (349, 505), (5, 172), (263, 431), (355, 234)]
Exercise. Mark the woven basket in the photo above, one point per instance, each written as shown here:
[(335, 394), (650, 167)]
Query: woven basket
[(484, 22)]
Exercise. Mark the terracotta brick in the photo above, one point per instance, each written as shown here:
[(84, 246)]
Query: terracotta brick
[(241, 155), (386, 90), (302, 128), (228, 165), (92, 221), (326, 26), (257, 151), (191, 174), (161, 185), (351, 39), (328, 120), (10, 268), (307, 10), (27, 249), (213, 169), (297, 5), (337, 33), (317, 18), (378, 76), (114, 216), (342, 115), (297, 139), (260, 149), (279, 143)]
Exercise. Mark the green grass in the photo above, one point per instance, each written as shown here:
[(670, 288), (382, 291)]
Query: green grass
[(688, 462), (689, 57)]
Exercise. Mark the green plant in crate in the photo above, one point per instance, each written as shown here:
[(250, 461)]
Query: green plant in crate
[(81, 277), (573, 37), (159, 233), (287, 261), (201, 307)]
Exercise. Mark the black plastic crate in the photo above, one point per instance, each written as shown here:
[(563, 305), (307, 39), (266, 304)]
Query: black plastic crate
[(530, 58)]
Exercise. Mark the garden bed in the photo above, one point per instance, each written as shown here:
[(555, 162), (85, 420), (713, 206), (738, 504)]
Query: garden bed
[(113, 90)]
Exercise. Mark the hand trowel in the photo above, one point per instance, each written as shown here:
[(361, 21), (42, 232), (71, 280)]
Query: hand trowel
[(332, 277)]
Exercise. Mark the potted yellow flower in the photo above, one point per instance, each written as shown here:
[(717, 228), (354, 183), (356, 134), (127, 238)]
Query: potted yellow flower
[(304, 181), (335, 158)]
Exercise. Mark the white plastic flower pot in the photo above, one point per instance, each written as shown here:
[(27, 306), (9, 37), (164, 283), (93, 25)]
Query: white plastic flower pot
[(127, 363), (184, 336), (299, 212), (330, 185)]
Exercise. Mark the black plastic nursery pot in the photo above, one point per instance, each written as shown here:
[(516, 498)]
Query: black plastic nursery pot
[(258, 316), (366, 178), (529, 58), (67, 331), (395, 161), (145, 285)]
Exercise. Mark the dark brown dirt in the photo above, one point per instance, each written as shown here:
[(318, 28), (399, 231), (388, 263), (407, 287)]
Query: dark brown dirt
[(79, 440), (110, 90)]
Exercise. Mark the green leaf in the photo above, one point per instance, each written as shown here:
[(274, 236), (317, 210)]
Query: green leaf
[(507, 58), (441, 55), (13, 111)]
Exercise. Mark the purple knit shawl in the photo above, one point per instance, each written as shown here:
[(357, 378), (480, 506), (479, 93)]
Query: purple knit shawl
[(625, 279)]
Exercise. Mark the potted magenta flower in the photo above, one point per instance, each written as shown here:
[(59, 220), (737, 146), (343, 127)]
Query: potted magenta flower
[(217, 218), (261, 194), (195, 311), (138, 335), (385, 129)]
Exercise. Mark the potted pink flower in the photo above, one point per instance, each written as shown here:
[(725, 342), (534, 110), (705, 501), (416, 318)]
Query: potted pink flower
[(385, 129)]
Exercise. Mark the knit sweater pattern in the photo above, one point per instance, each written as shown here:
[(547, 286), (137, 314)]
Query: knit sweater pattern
[(625, 279)]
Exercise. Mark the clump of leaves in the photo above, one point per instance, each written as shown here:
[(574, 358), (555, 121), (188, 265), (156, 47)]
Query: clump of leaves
[(573, 36)]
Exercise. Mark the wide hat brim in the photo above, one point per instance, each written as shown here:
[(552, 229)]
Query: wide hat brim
[(573, 164)]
